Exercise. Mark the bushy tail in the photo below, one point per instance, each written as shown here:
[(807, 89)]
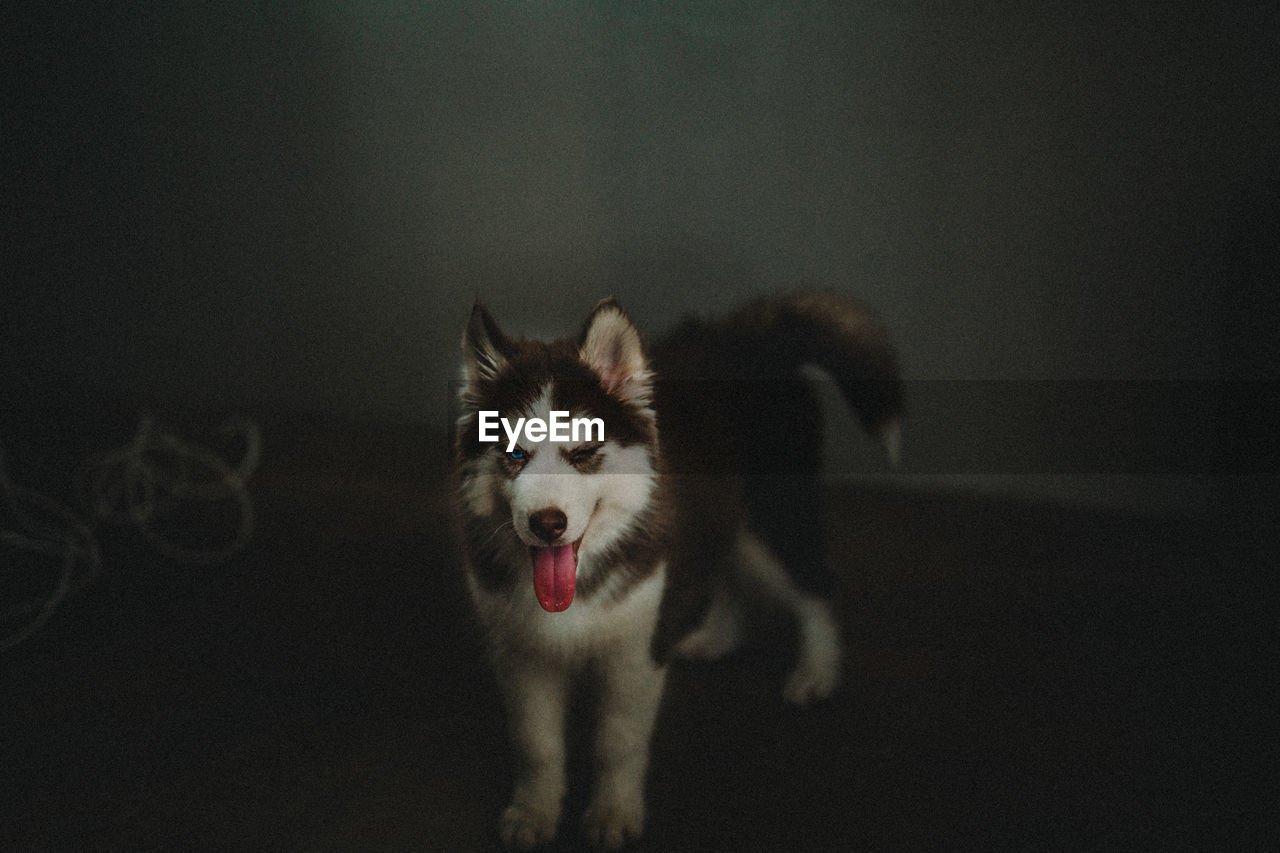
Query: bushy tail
[(839, 336)]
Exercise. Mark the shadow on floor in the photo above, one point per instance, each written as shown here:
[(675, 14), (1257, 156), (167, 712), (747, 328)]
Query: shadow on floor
[(1018, 677)]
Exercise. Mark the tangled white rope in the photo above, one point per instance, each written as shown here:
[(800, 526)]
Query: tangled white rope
[(43, 528), (138, 484)]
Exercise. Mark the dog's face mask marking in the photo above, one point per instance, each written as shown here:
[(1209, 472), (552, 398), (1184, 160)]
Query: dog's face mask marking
[(565, 499)]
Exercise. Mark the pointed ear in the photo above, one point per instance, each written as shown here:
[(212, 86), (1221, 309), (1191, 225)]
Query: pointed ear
[(610, 344), (484, 347)]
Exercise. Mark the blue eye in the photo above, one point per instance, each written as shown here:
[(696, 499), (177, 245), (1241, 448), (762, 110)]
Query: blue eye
[(517, 454)]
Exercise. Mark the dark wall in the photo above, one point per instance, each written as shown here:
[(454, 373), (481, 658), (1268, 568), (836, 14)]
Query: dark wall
[(293, 205)]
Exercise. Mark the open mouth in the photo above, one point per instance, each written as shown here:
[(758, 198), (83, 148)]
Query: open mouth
[(555, 572)]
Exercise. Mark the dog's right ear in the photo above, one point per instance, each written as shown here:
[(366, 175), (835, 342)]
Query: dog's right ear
[(484, 348), (611, 346)]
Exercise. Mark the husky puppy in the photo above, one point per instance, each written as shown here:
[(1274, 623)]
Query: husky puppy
[(619, 552)]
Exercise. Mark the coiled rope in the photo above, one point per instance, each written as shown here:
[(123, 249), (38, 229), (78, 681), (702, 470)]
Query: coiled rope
[(138, 484)]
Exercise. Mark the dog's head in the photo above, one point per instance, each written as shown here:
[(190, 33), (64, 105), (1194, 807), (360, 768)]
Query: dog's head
[(556, 441)]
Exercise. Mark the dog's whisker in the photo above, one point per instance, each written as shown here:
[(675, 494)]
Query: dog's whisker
[(498, 530)]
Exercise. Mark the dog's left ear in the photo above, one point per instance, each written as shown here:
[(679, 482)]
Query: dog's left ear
[(485, 348), (610, 344)]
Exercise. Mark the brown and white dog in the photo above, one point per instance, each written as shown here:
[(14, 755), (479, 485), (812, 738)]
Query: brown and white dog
[(619, 552)]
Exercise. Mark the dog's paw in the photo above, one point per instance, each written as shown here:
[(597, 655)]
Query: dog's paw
[(610, 824), (811, 681), (818, 671), (524, 828)]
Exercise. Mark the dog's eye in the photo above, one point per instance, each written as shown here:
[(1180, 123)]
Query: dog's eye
[(517, 455), (582, 454)]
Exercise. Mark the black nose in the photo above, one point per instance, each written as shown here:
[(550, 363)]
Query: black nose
[(548, 524)]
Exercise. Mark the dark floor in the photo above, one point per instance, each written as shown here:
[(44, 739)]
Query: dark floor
[(1018, 678)]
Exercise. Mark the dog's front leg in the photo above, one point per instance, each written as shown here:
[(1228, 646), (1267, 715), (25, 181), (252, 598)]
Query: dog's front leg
[(536, 696), (631, 691)]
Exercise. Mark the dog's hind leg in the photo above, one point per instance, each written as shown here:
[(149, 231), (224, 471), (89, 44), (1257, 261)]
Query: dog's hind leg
[(817, 670)]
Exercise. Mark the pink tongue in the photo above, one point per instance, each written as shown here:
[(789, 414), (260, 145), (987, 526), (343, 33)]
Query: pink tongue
[(554, 572)]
